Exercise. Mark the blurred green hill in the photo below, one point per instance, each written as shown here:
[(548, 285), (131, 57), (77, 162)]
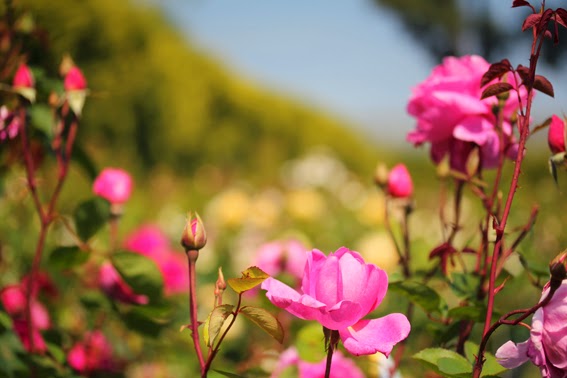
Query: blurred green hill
[(158, 101)]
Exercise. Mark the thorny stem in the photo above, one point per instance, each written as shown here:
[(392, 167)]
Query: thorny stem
[(192, 256), (523, 125), (479, 361), (46, 217)]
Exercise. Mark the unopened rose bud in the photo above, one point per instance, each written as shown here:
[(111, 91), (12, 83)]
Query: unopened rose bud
[(24, 83), (557, 268), (400, 184), (75, 80), (23, 77), (220, 287), (194, 236), (556, 135), (381, 175)]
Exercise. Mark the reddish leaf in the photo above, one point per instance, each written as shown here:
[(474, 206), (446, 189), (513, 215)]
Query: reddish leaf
[(520, 3), (496, 89), (561, 17), (531, 21), (543, 85), (496, 70), (524, 73)]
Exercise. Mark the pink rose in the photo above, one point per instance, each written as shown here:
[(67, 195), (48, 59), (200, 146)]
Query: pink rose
[(452, 117), (114, 185), (9, 124), (340, 366), (556, 135), (282, 257), (547, 345), (151, 242), (338, 291), (113, 285), (14, 301), (74, 80), (93, 353), (23, 77), (400, 184)]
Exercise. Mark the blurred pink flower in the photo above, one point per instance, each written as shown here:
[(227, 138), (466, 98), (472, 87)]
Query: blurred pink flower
[(92, 354), (340, 366), (452, 117), (114, 185), (151, 242), (14, 301), (400, 184), (23, 77), (279, 257), (9, 124), (556, 135), (74, 80), (113, 285), (547, 345), (338, 291)]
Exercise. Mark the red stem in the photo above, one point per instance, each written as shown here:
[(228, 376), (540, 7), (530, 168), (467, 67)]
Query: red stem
[(192, 256)]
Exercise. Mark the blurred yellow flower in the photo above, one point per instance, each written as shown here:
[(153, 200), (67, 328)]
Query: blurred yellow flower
[(230, 208), (377, 248), (371, 213), (305, 204)]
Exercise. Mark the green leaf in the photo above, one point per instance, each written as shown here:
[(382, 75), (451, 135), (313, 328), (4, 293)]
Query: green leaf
[(5, 322), (227, 374), (251, 278), (147, 320), (264, 320), (465, 286), (67, 257), (214, 323), (90, 216), (445, 362), (420, 294), (140, 272), (81, 157), (309, 343), (42, 118), (491, 366), (474, 313)]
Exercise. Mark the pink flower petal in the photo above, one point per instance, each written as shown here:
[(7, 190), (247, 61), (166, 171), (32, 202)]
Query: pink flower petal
[(377, 335), (283, 296), (512, 355)]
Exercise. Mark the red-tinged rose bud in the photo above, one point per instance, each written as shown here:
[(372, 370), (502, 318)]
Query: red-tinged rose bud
[(74, 80), (556, 135), (23, 77), (400, 184), (194, 236)]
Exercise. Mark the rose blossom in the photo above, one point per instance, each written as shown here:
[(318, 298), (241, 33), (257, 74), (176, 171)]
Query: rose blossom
[(112, 284), (280, 257), (399, 182), (338, 291), (547, 345), (452, 117), (556, 135), (93, 353), (114, 185), (340, 366), (150, 241)]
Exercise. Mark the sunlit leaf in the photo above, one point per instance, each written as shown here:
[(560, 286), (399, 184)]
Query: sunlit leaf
[(445, 362), (251, 278), (420, 294), (265, 321), (214, 323)]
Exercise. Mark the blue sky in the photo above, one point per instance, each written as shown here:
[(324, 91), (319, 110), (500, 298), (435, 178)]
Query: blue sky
[(346, 57)]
